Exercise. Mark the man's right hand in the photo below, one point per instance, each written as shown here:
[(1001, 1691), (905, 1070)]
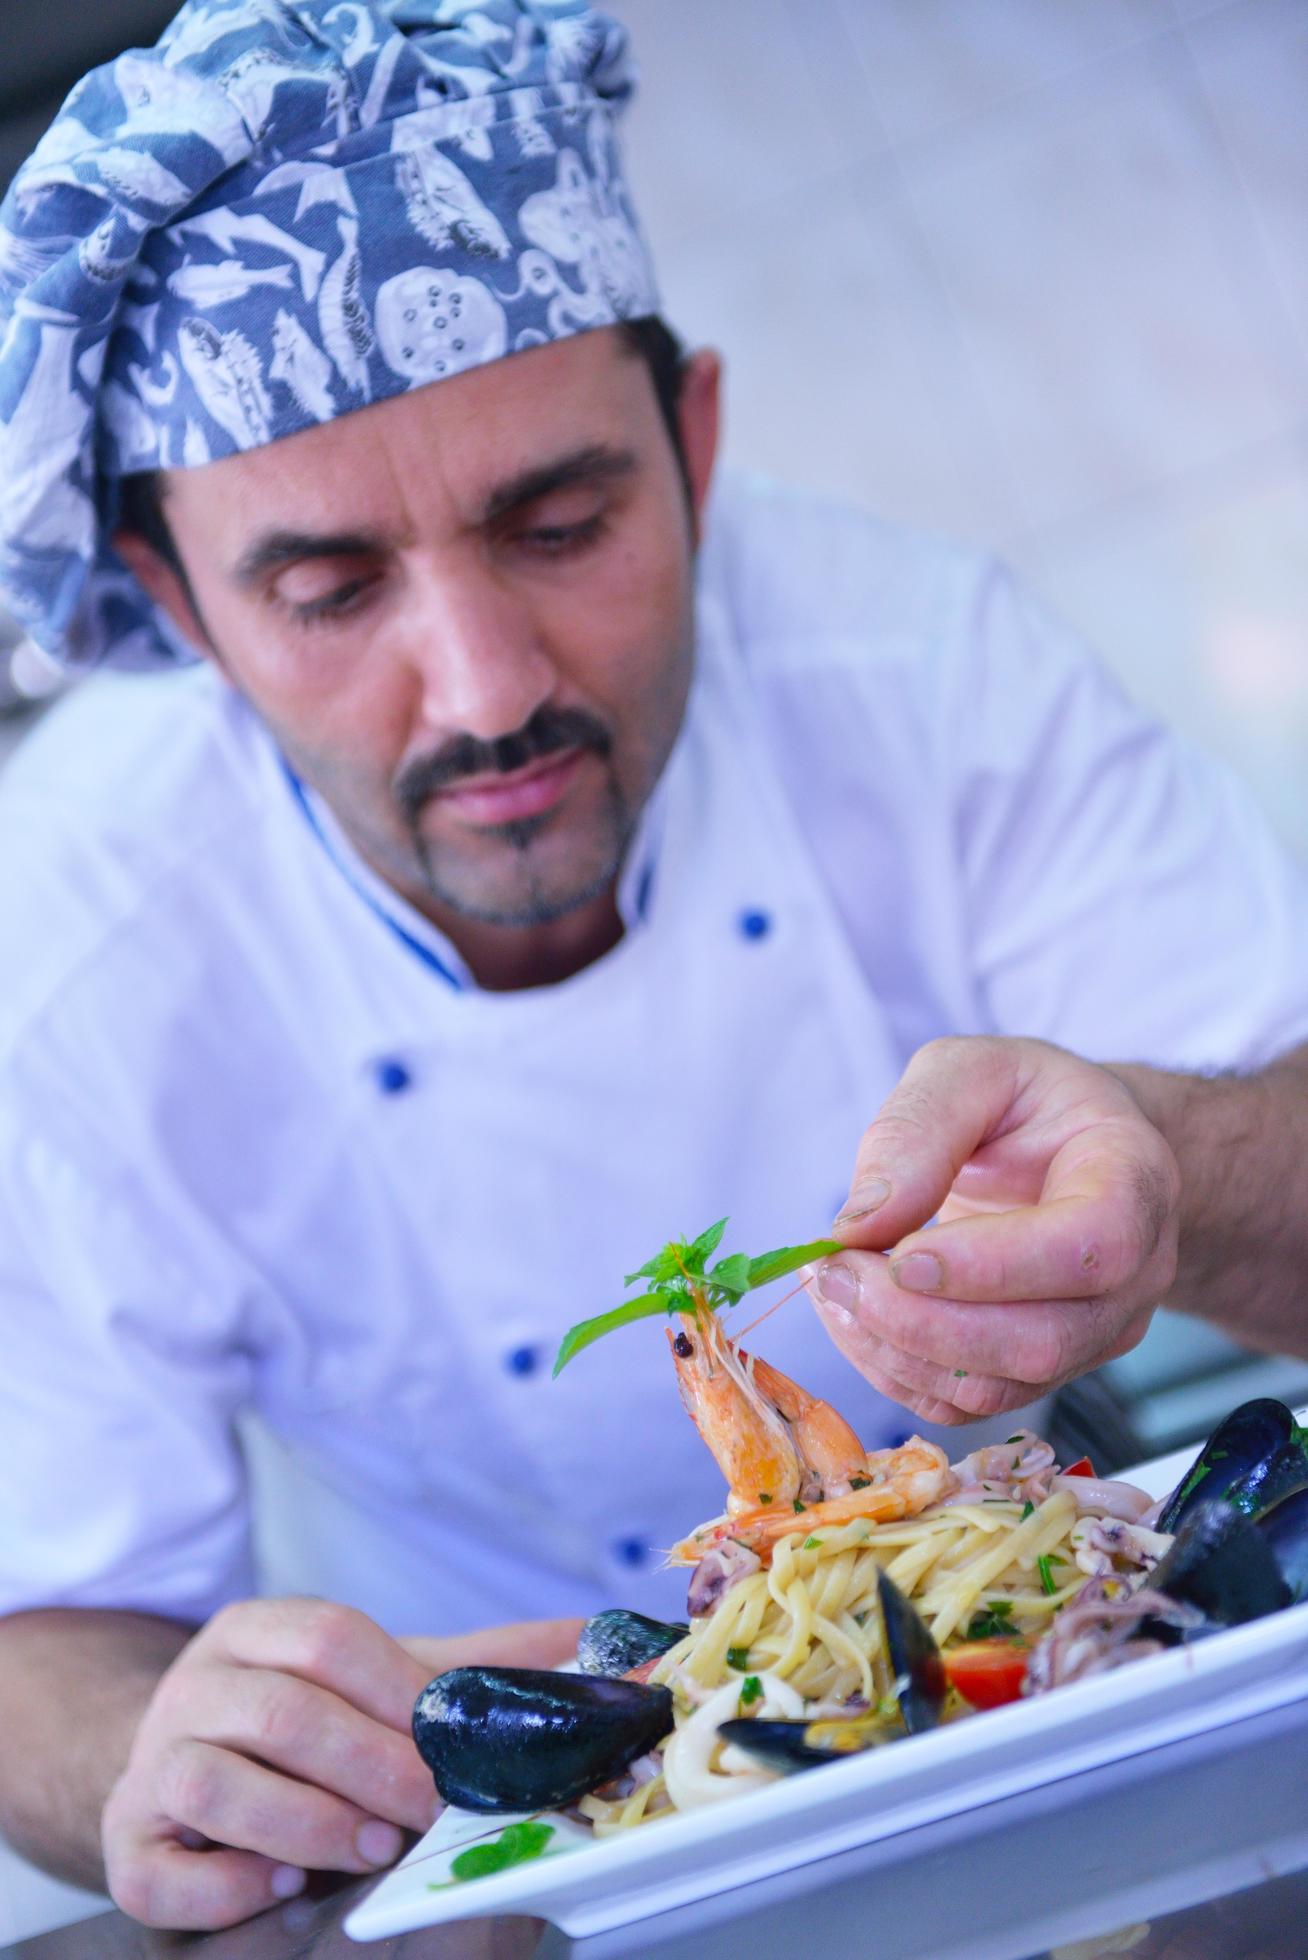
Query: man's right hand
[(1058, 1199), (278, 1743)]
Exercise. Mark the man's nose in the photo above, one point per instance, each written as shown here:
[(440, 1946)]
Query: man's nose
[(482, 664)]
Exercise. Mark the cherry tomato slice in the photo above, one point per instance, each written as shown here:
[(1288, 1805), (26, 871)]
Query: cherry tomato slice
[(988, 1672), (1083, 1467)]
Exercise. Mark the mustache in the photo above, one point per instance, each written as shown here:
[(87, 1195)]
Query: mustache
[(549, 731)]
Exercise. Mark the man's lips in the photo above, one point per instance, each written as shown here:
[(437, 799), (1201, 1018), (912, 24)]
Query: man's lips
[(508, 799)]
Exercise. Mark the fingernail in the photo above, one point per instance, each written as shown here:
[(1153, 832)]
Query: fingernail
[(918, 1272), (863, 1199), (837, 1286), (286, 1881), (378, 1843)]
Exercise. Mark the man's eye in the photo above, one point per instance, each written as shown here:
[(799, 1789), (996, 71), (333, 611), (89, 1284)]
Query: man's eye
[(336, 604), (562, 540)]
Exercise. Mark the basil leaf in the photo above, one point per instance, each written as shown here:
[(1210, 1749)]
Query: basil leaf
[(643, 1307), (515, 1845), (732, 1275), (664, 1265), (699, 1249), (775, 1265)]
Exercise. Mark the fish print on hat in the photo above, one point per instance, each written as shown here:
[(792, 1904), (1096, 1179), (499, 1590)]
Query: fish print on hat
[(283, 212)]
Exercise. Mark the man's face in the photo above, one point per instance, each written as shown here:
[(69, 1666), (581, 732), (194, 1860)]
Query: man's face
[(466, 615)]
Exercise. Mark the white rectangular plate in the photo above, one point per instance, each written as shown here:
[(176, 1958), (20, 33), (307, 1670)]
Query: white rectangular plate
[(587, 1885)]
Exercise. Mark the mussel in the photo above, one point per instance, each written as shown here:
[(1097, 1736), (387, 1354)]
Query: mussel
[(517, 1738), (1285, 1530), (1252, 1461), (1224, 1565), (919, 1671), (616, 1640), (791, 1746)]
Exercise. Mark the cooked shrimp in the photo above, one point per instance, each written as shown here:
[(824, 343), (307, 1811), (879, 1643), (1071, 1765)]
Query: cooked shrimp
[(785, 1452), (904, 1482)]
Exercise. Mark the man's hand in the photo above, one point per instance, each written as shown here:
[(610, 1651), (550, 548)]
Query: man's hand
[(278, 1743), (1058, 1203)]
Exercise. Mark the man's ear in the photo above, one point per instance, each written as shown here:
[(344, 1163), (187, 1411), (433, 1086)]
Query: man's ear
[(160, 582), (699, 414)]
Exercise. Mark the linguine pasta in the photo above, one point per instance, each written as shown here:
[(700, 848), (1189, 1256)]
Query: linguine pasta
[(802, 1638)]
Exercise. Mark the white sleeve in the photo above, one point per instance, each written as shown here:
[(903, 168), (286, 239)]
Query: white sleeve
[(1125, 896), (121, 1483)]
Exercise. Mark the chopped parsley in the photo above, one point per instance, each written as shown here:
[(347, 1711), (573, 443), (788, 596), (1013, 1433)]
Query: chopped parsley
[(960, 1374), (797, 1505), (810, 1544), (859, 1483), (1027, 1509), (738, 1657), (515, 1845), (765, 1497), (994, 1623), (860, 1619), (751, 1689), (1047, 1579), (1013, 1439), (1194, 1479)]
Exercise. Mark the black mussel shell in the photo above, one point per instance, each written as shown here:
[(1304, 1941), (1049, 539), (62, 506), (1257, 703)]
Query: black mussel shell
[(1250, 1460), (1222, 1564), (791, 1746), (914, 1656), (521, 1738), (1285, 1531), (616, 1640)]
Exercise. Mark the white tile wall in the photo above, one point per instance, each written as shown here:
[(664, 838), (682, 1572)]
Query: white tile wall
[(1034, 273)]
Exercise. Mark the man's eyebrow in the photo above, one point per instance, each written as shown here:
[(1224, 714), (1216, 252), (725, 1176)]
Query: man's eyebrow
[(274, 549), (597, 463)]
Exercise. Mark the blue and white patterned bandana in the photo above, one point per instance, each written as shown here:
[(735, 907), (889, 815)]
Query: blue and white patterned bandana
[(284, 211)]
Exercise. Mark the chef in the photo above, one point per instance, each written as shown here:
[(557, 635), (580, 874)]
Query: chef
[(515, 849)]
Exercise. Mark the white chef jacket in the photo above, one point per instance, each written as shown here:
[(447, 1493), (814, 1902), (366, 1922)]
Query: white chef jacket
[(266, 1152)]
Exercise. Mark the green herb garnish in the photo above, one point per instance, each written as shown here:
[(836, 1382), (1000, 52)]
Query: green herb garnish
[(1027, 1509), (515, 1845), (797, 1506), (1045, 1564), (681, 1281), (765, 1497), (751, 1689), (859, 1483), (994, 1623), (1195, 1478), (810, 1544), (738, 1657), (960, 1374)]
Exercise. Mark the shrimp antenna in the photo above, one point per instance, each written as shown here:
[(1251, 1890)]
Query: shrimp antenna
[(767, 1310)]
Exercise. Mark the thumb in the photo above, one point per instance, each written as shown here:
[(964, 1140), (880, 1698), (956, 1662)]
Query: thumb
[(531, 1643), (953, 1095)]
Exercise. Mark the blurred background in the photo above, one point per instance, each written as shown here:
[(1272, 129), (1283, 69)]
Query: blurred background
[(1032, 272)]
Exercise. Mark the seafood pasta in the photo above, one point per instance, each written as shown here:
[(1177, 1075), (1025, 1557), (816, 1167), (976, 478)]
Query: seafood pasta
[(843, 1600), (792, 1623)]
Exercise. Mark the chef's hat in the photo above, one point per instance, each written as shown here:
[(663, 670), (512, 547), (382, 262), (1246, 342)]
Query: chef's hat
[(283, 211)]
